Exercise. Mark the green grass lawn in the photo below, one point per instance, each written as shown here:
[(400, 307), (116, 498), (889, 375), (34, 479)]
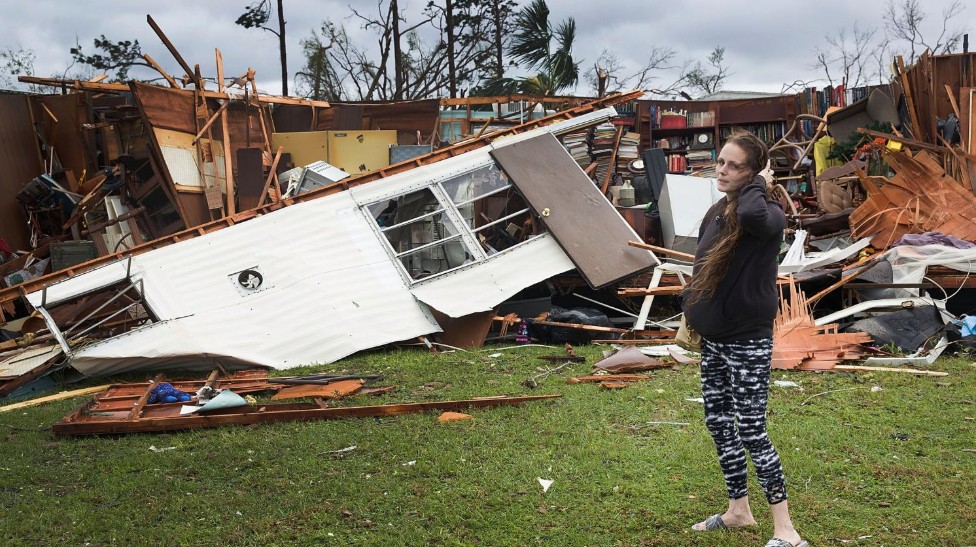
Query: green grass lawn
[(864, 466)]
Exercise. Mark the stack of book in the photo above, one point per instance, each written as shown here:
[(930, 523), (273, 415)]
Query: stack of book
[(578, 146), (603, 137), (627, 150), (699, 159)]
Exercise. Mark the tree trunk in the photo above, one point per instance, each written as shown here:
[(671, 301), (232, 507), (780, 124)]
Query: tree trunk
[(449, 23), (397, 53), (499, 52), (281, 48)]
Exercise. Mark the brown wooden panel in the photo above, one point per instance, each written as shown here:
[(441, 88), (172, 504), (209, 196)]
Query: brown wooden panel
[(19, 163), (581, 219), (166, 108), (250, 177)]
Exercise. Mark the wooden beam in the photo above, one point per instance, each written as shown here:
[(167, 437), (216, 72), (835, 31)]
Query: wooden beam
[(914, 143), (612, 165), (464, 101), (906, 89), (228, 164), (120, 88), (220, 70), (669, 290), (169, 79), (144, 398), (56, 397), (662, 250), (271, 176), (172, 49), (210, 122), (862, 368)]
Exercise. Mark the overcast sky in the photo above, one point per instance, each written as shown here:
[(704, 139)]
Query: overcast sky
[(768, 43)]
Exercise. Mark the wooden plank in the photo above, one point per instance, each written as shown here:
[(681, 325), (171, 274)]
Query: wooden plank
[(228, 165), (121, 88), (210, 122), (272, 176), (172, 49), (612, 165), (608, 377), (143, 399), (662, 250), (169, 79), (220, 70), (56, 397), (78, 423), (571, 206), (890, 369), (906, 89), (332, 390)]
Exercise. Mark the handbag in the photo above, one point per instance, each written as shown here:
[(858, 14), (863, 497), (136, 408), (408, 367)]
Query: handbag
[(687, 336)]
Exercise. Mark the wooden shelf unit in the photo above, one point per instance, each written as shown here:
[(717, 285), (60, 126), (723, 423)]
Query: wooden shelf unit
[(768, 117)]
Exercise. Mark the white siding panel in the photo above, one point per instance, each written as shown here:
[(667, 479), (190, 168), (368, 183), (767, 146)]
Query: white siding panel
[(483, 287)]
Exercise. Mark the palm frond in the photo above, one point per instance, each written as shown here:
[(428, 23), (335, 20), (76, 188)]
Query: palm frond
[(530, 42)]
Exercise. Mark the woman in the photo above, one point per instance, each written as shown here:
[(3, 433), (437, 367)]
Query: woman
[(731, 301)]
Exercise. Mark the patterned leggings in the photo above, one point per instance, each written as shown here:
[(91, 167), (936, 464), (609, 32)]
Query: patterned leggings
[(735, 386)]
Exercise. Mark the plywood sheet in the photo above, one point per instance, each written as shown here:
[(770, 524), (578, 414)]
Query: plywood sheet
[(359, 152), (305, 147), (581, 219)]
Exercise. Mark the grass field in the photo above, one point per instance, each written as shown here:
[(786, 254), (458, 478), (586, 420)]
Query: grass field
[(871, 459)]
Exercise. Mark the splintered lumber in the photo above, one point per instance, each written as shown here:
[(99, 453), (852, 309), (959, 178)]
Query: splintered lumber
[(799, 343), (920, 198), (167, 418)]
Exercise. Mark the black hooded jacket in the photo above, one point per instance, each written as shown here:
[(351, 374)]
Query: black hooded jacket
[(744, 304)]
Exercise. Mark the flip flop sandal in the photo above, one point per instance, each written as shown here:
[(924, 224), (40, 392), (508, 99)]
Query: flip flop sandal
[(712, 523), (776, 542)]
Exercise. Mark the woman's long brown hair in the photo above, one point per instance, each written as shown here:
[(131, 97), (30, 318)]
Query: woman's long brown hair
[(715, 263)]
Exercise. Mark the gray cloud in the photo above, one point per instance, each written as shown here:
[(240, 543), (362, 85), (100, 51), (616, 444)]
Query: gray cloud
[(767, 43)]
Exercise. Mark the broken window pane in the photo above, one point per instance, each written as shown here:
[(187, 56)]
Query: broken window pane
[(436, 258), (421, 233), (491, 208)]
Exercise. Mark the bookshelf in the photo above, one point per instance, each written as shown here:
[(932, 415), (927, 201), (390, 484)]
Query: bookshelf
[(686, 129), (707, 124)]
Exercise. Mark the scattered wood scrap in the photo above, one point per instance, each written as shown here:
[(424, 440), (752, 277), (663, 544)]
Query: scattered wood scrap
[(919, 198), (799, 343)]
